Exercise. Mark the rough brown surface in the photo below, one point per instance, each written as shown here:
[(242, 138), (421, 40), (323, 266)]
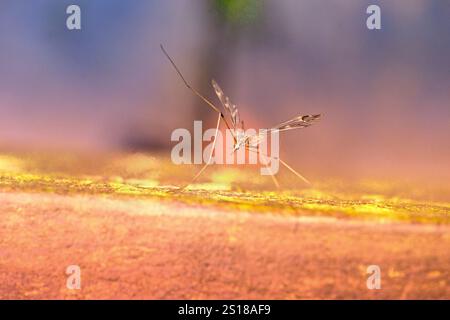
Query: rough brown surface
[(138, 248)]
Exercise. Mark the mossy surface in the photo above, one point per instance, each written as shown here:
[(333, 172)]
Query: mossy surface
[(227, 188)]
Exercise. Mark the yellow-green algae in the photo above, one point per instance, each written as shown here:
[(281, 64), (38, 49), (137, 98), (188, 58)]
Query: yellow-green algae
[(140, 176)]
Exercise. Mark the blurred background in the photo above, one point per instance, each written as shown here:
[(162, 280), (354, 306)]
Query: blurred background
[(384, 94)]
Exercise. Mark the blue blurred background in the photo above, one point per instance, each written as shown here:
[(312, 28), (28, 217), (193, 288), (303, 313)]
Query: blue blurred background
[(384, 94)]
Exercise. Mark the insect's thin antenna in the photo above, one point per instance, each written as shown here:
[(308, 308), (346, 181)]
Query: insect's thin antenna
[(293, 171), (209, 103), (186, 83)]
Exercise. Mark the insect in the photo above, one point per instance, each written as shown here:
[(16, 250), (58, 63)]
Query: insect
[(243, 140)]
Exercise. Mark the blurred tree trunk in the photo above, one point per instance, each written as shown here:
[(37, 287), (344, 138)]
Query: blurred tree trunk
[(228, 22)]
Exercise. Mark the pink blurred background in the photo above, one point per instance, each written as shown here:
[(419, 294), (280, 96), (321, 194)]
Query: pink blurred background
[(384, 94)]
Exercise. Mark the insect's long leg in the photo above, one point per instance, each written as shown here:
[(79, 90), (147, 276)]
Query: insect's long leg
[(198, 94), (275, 180), (293, 171), (210, 155), (286, 165)]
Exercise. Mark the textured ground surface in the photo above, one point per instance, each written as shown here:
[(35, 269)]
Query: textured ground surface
[(135, 235)]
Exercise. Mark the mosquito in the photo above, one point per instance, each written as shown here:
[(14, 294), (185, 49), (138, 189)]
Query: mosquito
[(242, 140)]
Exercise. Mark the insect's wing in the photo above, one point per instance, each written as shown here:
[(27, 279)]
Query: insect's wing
[(219, 93), (297, 123), (229, 107)]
